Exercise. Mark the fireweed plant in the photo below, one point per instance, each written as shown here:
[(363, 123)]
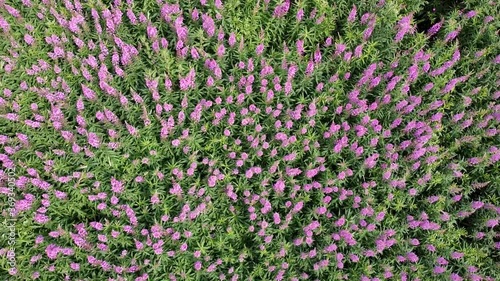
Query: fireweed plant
[(249, 140)]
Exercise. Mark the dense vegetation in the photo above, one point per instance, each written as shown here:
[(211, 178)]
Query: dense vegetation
[(249, 140)]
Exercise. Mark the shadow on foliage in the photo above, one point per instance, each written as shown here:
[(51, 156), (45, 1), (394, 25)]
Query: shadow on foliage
[(434, 10)]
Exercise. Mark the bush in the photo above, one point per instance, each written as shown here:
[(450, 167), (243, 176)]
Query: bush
[(249, 140)]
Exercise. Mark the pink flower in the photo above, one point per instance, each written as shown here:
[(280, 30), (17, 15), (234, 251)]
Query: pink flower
[(452, 35), (300, 47), (155, 199), (116, 185), (352, 14), (93, 140), (221, 50), (75, 266), (151, 31), (298, 206), (232, 39), (188, 81), (52, 251), (435, 28), (131, 129), (470, 14), (456, 255), (208, 25), (88, 93), (455, 277), (4, 25), (404, 26), (321, 210), (197, 265), (371, 161), (477, 204), (412, 257), (276, 218), (29, 39), (492, 223), (488, 19), (259, 49), (439, 270), (279, 186), (312, 173)]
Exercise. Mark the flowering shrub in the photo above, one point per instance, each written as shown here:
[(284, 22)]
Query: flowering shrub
[(249, 140)]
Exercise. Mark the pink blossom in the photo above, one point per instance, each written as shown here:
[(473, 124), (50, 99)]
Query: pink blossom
[(435, 28), (88, 93), (116, 185), (279, 186), (197, 265)]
